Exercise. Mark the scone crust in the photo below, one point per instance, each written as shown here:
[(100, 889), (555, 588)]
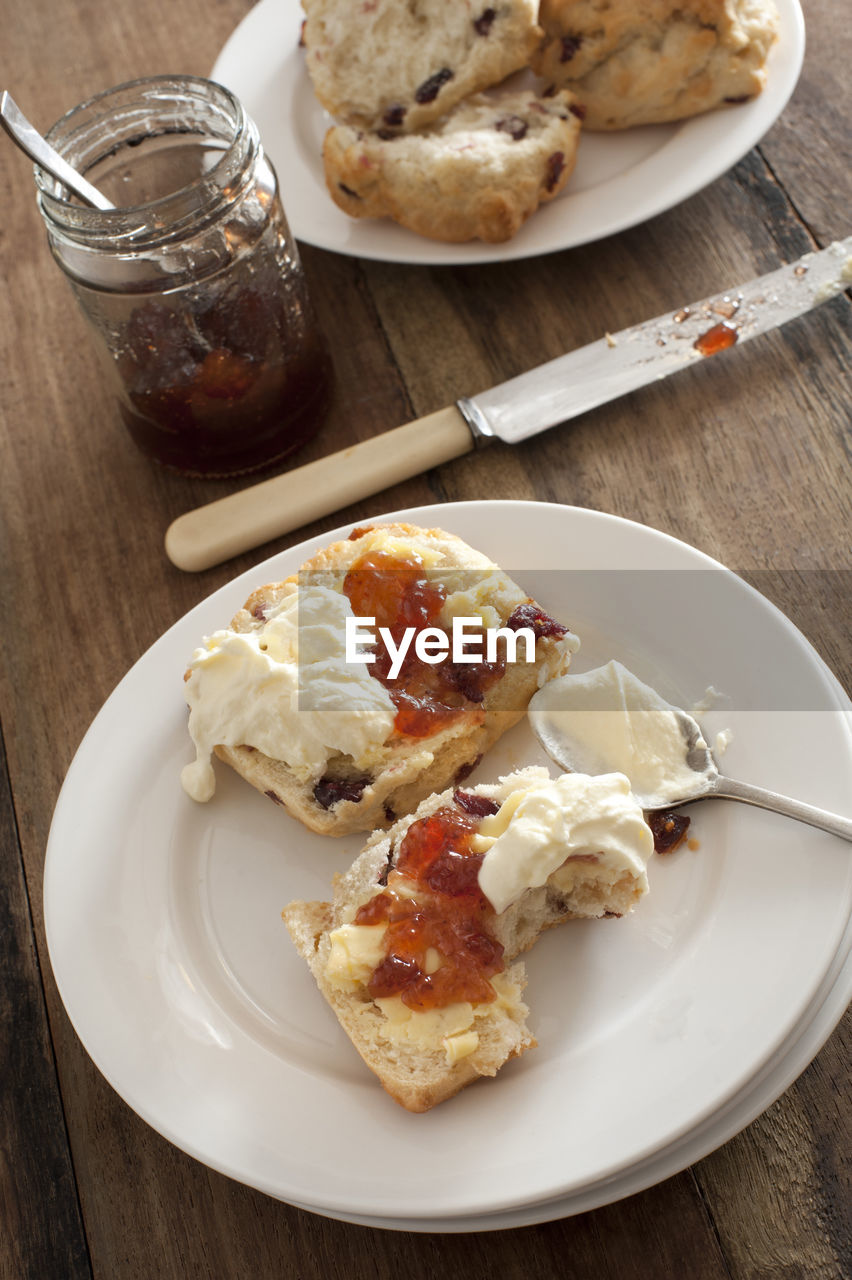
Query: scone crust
[(478, 175), (634, 62), (393, 66)]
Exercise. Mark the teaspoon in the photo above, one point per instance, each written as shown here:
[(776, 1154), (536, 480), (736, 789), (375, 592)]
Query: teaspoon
[(706, 781), (27, 137)]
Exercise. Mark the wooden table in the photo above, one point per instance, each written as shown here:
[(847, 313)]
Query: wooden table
[(747, 459)]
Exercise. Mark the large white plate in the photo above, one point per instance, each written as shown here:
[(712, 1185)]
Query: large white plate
[(163, 916), (621, 179)]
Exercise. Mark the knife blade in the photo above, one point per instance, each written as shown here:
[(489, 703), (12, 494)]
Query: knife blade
[(521, 407)]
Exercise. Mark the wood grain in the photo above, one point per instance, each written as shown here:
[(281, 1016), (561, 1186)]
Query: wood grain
[(42, 1226), (747, 458)]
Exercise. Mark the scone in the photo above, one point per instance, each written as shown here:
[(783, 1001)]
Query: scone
[(415, 953), (634, 62), (477, 174), (331, 717), (387, 65)]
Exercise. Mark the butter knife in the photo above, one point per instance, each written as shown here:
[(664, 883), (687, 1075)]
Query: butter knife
[(523, 406)]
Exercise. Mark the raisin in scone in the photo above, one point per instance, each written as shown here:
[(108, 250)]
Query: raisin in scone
[(477, 174), (346, 744), (388, 65), (415, 953), (634, 62)]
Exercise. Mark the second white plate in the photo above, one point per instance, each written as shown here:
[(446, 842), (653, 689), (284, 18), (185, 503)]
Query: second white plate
[(621, 178)]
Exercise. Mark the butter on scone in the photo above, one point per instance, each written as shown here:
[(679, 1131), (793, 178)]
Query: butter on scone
[(478, 173), (397, 67), (634, 62), (415, 954), (348, 725)]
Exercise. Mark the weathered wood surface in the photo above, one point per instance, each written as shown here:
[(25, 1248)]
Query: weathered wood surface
[(747, 459)]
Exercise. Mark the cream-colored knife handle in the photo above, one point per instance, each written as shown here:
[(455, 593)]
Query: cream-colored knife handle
[(247, 519)]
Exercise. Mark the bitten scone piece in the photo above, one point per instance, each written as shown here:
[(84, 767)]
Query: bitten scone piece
[(349, 726), (415, 954), (398, 66), (634, 62), (477, 174)]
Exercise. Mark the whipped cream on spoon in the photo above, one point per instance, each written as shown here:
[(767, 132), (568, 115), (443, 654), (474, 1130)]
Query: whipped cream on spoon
[(606, 721)]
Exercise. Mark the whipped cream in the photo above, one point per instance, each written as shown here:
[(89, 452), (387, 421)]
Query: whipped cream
[(285, 688), (607, 720), (542, 825)]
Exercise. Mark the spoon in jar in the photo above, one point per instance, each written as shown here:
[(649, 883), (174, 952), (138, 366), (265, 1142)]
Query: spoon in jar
[(608, 721), (27, 137)]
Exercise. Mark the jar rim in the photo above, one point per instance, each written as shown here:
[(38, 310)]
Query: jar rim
[(169, 216)]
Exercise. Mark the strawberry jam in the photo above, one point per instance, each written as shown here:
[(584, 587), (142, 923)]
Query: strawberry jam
[(398, 594), (432, 903)]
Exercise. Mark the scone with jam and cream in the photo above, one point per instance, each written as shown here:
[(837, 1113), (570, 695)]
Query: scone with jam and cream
[(350, 745), (415, 954)]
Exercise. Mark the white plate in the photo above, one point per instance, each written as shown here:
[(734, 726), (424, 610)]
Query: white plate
[(163, 916), (621, 178)]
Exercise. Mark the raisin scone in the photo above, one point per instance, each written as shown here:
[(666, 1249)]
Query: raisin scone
[(415, 954), (349, 733), (635, 62), (387, 65), (477, 174)]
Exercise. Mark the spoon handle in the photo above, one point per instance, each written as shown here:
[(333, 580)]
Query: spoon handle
[(33, 144), (731, 789)]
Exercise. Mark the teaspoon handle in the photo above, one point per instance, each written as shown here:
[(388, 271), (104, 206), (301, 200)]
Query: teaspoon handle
[(33, 144), (731, 789)]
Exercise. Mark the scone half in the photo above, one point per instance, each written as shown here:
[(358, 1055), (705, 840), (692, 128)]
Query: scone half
[(477, 174), (277, 697), (398, 67), (634, 62), (416, 953)]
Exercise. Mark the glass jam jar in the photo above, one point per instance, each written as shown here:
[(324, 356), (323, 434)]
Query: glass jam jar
[(192, 283)]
